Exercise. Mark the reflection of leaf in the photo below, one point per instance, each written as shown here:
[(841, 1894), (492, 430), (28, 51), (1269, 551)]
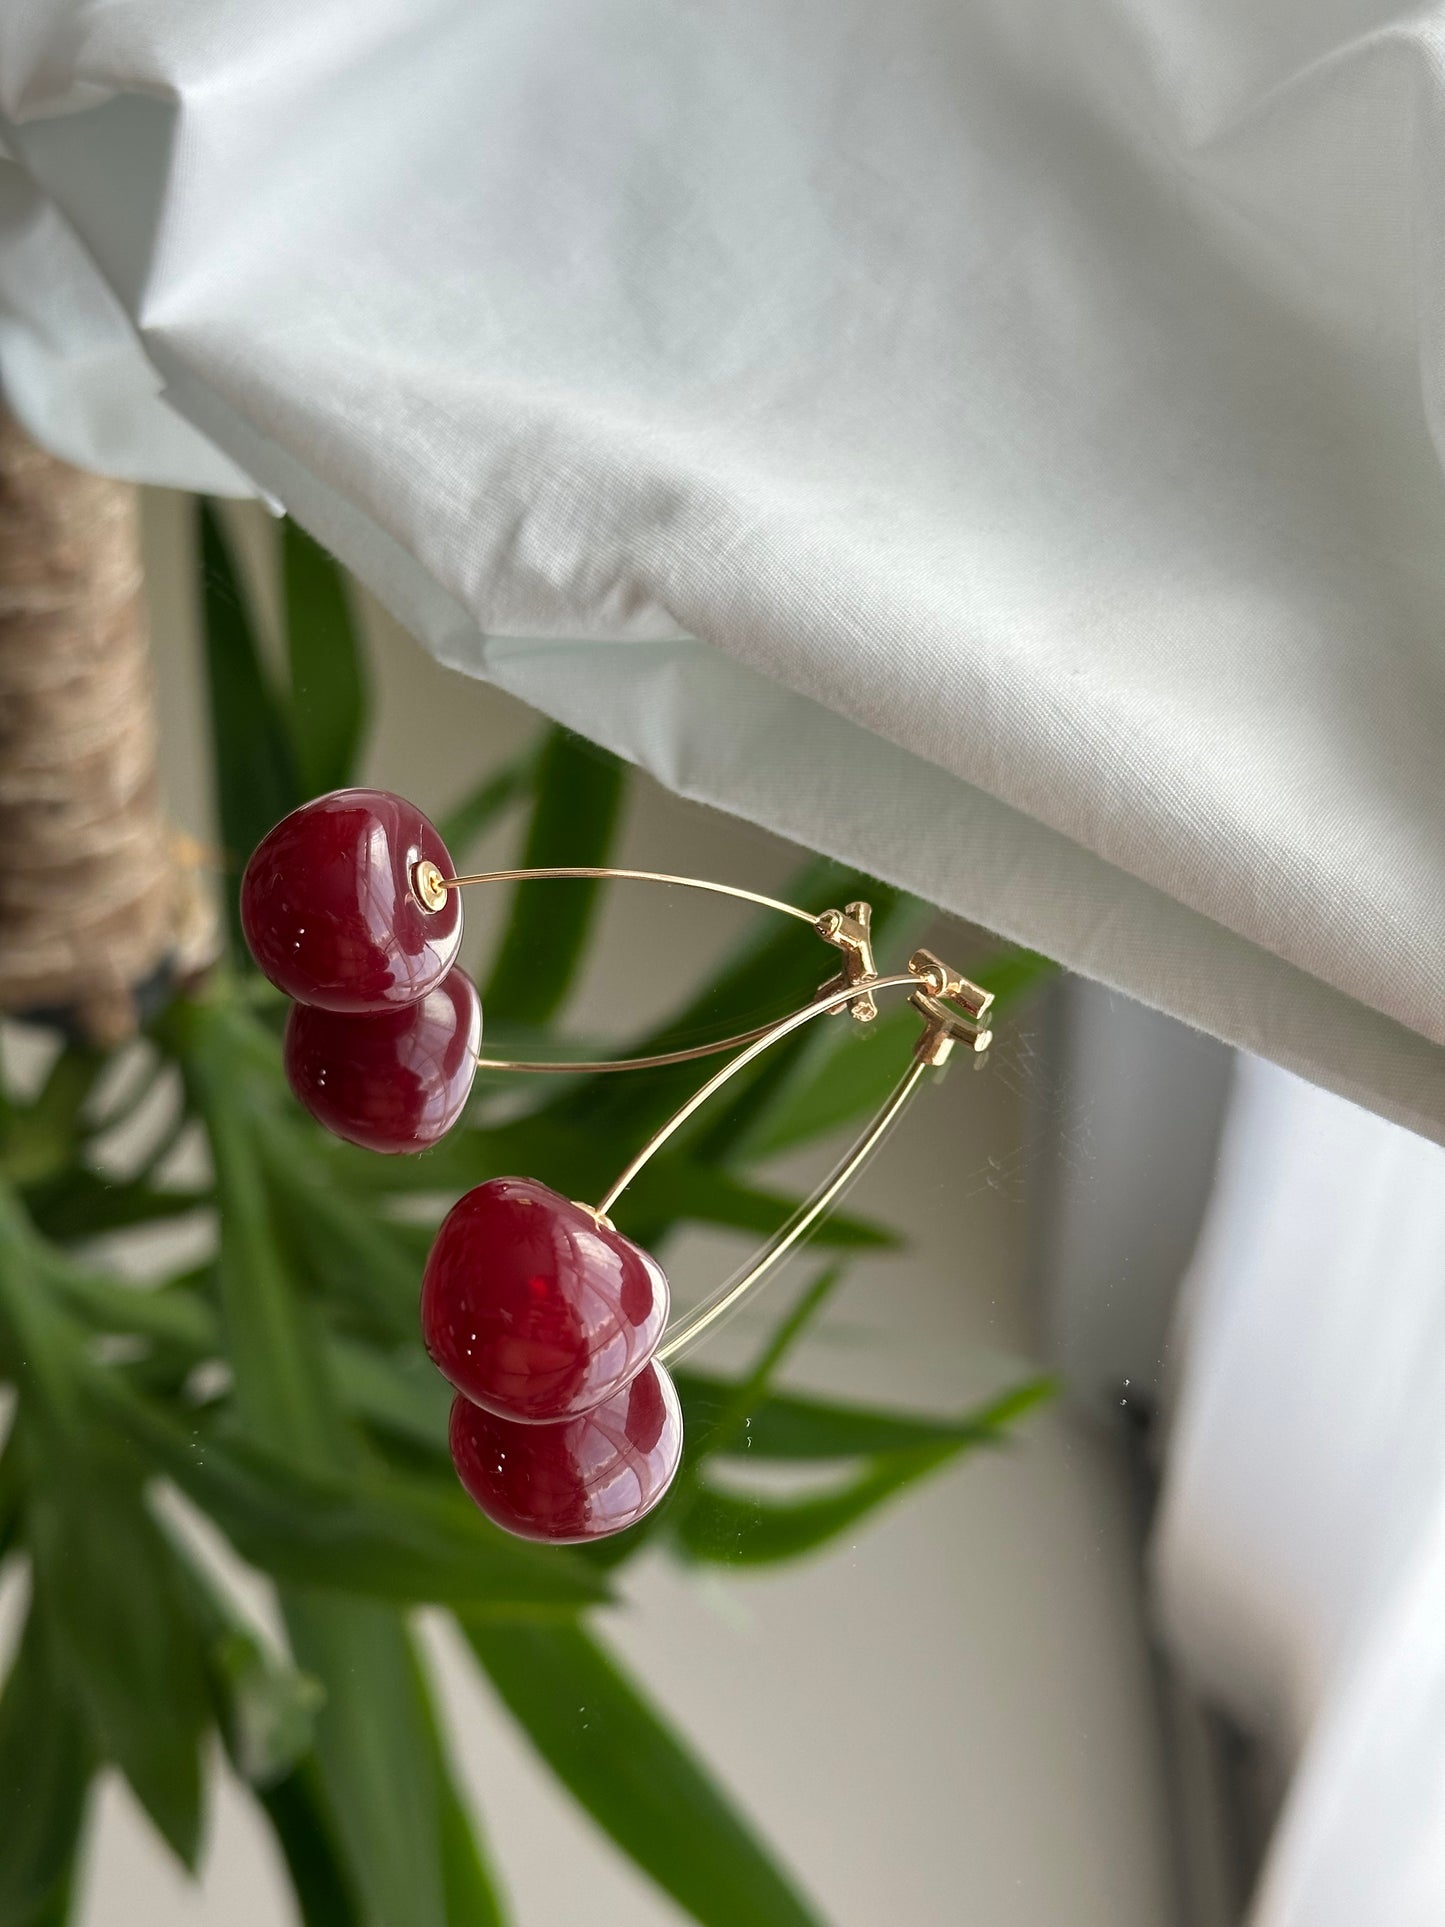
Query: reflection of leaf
[(673, 1188), (328, 676), (792, 1426), (578, 799), (1014, 972), (45, 1768), (168, 1315), (616, 1756)]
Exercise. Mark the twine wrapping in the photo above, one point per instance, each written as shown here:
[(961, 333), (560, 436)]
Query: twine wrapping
[(97, 895)]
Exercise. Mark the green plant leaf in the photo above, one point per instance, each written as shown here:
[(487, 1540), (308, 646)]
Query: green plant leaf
[(777, 966), (329, 697), (744, 1529), (10, 1495), (383, 1770), (39, 1138), (46, 1762), (256, 778), (846, 1074), (789, 1426), (734, 1529), (265, 1705), (304, 1832), (1014, 973), (40, 1349), (270, 1707), (106, 1580), (282, 1392), (472, 1897), (371, 1755), (732, 1416), (674, 1189), (399, 1392), (480, 808), (79, 1204), (635, 1776), (168, 1315), (363, 1261), (578, 801), (712, 1429), (386, 1537)]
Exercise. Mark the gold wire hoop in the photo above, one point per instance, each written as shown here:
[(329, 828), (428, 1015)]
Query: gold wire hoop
[(845, 930), (952, 1008), (943, 1028)]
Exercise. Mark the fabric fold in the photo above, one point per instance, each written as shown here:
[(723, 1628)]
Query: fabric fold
[(1027, 415)]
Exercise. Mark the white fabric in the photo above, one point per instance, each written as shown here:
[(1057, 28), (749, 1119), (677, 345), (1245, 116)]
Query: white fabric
[(1300, 1553), (996, 443)]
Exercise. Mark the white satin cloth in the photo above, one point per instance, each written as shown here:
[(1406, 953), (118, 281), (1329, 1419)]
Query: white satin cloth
[(1300, 1554), (994, 443)]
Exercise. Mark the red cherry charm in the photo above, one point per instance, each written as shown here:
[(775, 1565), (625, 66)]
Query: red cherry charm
[(534, 1308), (580, 1480), (391, 1080), (330, 909)]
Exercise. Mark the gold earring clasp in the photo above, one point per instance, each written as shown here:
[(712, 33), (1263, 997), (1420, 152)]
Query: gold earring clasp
[(851, 931)]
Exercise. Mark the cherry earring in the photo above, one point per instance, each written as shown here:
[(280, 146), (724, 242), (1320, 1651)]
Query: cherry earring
[(329, 907), (549, 1322)]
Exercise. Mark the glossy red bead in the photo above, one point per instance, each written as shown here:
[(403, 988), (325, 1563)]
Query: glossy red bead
[(390, 1080), (579, 1480), (329, 910), (533, 1308)]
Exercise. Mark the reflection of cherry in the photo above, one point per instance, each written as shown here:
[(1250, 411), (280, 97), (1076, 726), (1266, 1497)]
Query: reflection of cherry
[(579, 1480), (329, 908), (533, 1307), (391, 1080)]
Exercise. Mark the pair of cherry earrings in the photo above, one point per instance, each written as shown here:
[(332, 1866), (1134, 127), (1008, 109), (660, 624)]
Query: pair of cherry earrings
[(547, 1321)]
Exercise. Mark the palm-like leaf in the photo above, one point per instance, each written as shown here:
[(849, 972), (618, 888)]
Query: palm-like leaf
[(281, 1387)]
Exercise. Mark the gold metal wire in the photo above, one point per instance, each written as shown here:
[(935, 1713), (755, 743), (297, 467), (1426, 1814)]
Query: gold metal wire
[(632, 876), (658, 1061), (772, 1035), (689, 1329)]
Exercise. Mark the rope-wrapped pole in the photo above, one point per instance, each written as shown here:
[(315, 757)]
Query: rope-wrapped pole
[(99, 900)]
